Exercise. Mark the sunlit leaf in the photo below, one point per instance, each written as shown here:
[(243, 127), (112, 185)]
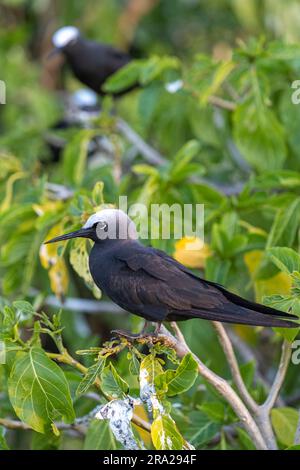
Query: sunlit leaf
[(38, 391)]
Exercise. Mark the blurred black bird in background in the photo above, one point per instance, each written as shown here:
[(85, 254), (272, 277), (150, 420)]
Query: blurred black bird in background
[(79, 110), (91, 62), (149, 283)]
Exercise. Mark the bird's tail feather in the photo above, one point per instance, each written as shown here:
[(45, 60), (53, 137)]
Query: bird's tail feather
[(241, 311), (240, 316)]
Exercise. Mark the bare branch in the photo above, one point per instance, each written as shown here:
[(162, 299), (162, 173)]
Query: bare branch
[(221, 385), (150, 154), (221, 103), (280, 375), (15, 424), (80, 305), (233, 365)]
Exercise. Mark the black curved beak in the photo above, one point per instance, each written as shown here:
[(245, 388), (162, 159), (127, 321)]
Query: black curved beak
[(55, 51), (81, 233)]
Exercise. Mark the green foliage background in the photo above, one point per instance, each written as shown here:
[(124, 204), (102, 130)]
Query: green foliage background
[(240, 158)]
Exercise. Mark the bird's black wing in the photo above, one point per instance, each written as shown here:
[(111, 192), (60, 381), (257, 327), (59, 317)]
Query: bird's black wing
[(160, 282)]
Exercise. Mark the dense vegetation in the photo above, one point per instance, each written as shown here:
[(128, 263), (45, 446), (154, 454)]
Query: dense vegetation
[(228, 138)]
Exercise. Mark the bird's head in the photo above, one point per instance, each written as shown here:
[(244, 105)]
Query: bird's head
[(108, 224), (63, 38)]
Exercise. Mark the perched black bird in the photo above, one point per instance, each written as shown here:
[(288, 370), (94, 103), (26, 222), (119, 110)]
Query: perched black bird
[(151, 284), (91, 62), (81, 108)]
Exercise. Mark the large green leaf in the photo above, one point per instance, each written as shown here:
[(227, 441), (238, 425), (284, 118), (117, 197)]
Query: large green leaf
[(100, 436), (39, 391), (183, 378), (286, 259), (285, 422), (201, 429), (165, 435), (259, 136)]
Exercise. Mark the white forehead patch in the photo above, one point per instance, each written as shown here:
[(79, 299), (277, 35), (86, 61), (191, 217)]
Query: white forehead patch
[(64, 36), (118, 223), (84, 97)]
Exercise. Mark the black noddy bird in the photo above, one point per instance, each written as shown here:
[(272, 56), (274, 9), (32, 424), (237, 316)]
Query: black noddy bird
[(91, 62), (149, 283)]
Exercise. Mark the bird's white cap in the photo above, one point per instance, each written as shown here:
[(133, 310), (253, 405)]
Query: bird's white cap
[(63, 36), (84, 97), (112, 224)]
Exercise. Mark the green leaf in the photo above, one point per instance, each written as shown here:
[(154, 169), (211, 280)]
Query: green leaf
[(217, 270), (39, 391), (25, 310), (259, 136), (75, 155), (165, 435), (3, 443), (285, 225), (89, 379), (284, 421), (112, 383), (215, 410), (99, 436), (124, 78), (286, 259), (45, 441), (201, 429), (183, 378)]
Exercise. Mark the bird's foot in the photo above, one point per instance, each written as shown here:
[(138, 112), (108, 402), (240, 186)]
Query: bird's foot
[(135, 336), (129, 335)]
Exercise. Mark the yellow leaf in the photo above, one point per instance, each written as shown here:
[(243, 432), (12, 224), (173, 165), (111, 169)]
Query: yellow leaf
[(139, 411), (192, 252), (79, 259), (278, 284), (59, 279), (48, 253), (57, 269), (49, 206)]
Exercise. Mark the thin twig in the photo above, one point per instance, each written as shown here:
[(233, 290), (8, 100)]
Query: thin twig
[(248, 355), (80, 305), (233, 365), (280, 375), (150, 154), (15, 424), (221, 103)]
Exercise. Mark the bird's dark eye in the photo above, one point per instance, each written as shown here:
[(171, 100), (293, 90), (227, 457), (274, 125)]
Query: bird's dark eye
[(101, 226)]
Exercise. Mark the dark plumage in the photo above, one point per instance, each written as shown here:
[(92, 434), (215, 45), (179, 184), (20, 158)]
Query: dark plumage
[(91, 62), (149, 283)]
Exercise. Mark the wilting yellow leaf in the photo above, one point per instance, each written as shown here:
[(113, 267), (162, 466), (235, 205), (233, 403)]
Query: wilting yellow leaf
[(278, 284), (192, 252), (57, 269), (9, 189), (59, 280), (139, 411), (49, 206), (9, 164), (79, 259)]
